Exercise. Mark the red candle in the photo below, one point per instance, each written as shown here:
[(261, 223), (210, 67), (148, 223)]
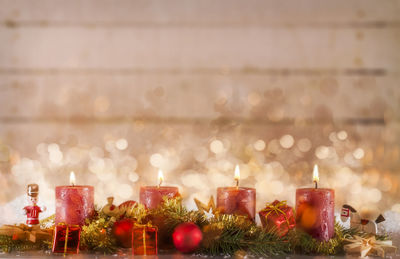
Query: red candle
[(152, 196), (74, 203), (315, 210), (237, 200)]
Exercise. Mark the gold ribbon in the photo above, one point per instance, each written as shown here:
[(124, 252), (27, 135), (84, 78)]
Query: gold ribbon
[(368, 246), (270, 208), (144, 226), (66, 234), (66, 240), (24, 232)]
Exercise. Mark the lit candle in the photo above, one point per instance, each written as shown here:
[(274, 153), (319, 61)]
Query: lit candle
[(74, 203), (315, 210), (237, 200), (152, 196)]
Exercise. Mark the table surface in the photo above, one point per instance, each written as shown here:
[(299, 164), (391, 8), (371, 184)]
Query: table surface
[(34, 255)]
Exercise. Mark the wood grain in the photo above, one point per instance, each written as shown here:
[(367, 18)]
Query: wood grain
[(200, 13)]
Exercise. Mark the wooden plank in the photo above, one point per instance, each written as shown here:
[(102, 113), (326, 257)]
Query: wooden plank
[(204, 13), (203, 48), (185, 98)]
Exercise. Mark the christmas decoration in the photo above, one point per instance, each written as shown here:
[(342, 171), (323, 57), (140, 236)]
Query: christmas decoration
[(32, 212), (363, 247), (66, 239), (144, 239), (356, 221), (278, 216), (209, 210), (122, 231), (97, 234), (127, 209), (171, 214), (187, 237), (110, 209), (222, 234), (25, 233)]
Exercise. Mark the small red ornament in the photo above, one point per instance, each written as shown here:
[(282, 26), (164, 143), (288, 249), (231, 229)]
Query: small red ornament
[(122, 231), (187, 237)]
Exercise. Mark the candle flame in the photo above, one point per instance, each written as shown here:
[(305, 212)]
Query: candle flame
[(315, 174), (72, 178), (160, 177), (237, 175)]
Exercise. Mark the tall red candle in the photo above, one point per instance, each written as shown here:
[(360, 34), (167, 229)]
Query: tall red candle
[(237, 200), (74, 204), (152, 196), (315, 210)]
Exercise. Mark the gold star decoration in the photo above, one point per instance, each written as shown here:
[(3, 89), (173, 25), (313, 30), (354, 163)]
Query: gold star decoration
[(209, 209), (369, 246)]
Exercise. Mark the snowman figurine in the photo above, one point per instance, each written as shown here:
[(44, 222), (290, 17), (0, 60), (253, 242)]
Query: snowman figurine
[(33, 210)]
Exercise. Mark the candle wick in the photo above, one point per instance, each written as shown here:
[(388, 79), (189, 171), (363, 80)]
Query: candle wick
[(316, 184), (237, 183), (159, 183)]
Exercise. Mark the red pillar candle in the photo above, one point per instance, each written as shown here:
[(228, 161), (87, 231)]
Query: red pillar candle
[(152, 196), (74, 203), (237, 200), (315, 210)]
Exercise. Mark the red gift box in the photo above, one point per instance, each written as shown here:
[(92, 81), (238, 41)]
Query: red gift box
[(144, 240), (66, 239), (279, 216)]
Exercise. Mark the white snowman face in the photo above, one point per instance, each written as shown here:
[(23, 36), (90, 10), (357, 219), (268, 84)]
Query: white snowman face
[(345, 214)]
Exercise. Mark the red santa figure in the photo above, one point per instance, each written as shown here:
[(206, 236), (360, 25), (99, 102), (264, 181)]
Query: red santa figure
[(32, 211)]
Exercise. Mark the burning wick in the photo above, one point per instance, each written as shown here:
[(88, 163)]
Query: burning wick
[(72, 178), (315, 176), (160, 177), (237, 176)]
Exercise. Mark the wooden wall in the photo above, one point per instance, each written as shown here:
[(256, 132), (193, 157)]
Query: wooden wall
[(179, 74)]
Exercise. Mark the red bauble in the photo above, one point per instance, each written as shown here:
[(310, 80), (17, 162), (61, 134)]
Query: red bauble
[(122, 231), (187, 237)]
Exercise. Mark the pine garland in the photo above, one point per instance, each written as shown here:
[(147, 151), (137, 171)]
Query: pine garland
[(222, 235)]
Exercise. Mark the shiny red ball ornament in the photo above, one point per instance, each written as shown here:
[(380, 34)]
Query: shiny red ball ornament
[(122, 231), (187, 237)]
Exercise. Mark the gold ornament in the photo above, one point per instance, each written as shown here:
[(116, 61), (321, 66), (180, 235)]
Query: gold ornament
[(369, 246), (209, 209)]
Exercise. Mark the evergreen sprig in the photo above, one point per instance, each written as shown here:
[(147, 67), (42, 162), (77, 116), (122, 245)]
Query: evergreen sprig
[(174, 213), (230, 234), (97, 235)]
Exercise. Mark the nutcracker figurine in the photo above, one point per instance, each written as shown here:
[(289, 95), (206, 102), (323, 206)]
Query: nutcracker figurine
[(32, 211)]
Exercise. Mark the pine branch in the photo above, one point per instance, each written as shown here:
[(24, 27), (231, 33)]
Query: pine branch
[(97, 235), (229, 234)]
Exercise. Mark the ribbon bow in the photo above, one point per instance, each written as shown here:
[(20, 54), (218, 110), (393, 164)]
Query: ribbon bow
[(368, 246), (24, 232), (277, 207)]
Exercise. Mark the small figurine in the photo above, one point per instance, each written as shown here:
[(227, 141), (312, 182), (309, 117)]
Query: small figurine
[(32, 211), (356, 221), (110, 209)]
